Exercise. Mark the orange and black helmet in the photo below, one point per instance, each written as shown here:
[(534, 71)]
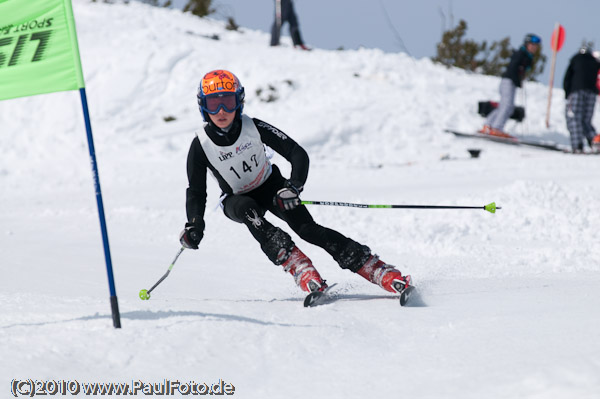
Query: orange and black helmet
[(220, 89)]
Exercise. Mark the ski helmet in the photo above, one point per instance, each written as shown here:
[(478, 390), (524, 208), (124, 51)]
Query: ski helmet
[(532, 38), (220, 89)]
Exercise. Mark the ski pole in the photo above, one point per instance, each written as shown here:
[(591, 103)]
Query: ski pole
[(489, 207), (145, 294)]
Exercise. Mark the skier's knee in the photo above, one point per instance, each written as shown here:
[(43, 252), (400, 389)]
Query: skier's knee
[(242, 209), (253, 218)]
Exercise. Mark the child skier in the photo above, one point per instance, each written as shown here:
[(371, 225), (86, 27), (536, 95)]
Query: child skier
[(520, 62), (232, 148)]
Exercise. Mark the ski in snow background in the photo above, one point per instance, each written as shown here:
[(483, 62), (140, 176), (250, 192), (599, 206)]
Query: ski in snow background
[(508, 302)]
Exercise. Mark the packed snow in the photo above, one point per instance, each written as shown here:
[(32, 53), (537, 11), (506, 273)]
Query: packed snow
[(508, 302)]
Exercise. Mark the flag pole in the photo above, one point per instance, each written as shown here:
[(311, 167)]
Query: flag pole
[(556, 42), (551, 82), (114, 304)]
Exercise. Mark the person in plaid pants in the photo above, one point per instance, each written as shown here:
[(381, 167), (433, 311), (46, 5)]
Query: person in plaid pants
[(581, 90)]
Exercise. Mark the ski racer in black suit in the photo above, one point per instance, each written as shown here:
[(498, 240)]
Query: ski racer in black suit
[(232, 147)]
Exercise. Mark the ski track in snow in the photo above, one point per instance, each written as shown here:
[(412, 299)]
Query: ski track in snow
[(507, 303)]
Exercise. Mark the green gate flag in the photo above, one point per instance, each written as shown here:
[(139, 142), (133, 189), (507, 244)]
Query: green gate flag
[(38, 48)]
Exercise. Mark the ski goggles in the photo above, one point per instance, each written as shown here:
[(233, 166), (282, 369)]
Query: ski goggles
[(216, 102), (533, 39)]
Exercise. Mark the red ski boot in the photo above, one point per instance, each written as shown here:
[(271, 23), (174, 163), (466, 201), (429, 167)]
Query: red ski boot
[(304, 273), (384, 275)]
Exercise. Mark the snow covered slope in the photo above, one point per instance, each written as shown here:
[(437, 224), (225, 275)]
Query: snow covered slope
[(508, 303)]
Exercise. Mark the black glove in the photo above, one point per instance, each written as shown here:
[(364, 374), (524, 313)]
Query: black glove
[(288, 198), (190, 236)]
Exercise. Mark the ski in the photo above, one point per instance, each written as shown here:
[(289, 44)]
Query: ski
[(316, 297), (512, 141), (405, 294)]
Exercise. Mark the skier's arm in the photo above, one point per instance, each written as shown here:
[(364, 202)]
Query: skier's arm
[(287, 148), (195, 203)]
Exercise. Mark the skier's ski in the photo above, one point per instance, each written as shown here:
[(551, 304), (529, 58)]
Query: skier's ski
[(405, 294), (513, 141), (320, 297), (314, 298)]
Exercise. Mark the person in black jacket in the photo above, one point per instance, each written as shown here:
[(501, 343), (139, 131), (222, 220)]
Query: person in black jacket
[(512, 78), (284, 12), (232, 147), (580, 91)]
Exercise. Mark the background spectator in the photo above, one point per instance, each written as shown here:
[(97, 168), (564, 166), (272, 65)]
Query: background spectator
[(284, 12), (580, 84), (512, 78)]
